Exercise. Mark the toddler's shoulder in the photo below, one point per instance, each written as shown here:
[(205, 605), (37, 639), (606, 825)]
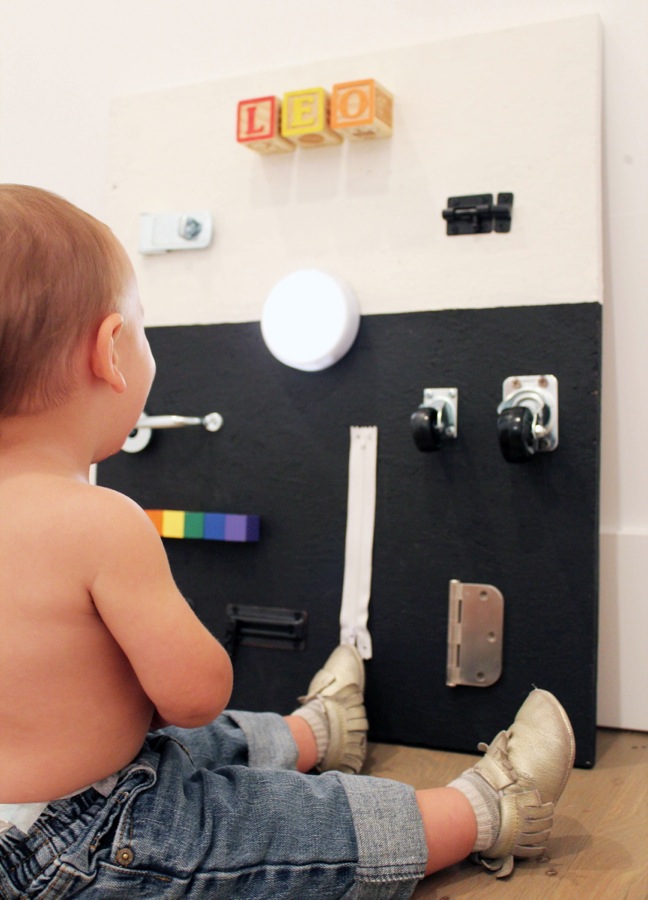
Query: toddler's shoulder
[(105, 511)]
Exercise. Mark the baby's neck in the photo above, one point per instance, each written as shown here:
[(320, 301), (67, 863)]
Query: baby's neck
[(45, 442)]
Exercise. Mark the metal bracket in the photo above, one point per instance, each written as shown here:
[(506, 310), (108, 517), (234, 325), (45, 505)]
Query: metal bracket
[(475, 634), (477, 214), (436, 418), (262, 626)]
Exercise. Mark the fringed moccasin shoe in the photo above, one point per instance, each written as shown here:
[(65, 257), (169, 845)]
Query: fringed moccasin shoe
[(529, 766), (339, 685)]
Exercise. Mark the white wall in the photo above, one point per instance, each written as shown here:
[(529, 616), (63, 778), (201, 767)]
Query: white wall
[(61, 65)]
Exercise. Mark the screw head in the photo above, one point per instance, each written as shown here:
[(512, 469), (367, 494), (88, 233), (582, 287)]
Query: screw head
[(190, 228)]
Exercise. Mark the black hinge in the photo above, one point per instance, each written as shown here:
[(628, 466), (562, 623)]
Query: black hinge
[(262, 626), (477, 214)]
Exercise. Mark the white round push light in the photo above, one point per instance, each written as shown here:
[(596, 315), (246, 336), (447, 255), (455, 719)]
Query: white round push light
[(310, 320)]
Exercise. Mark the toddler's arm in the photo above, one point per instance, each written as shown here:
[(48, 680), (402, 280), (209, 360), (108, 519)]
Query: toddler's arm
[(183, 669)]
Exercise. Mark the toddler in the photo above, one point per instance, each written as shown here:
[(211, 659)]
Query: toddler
[(121, 772)]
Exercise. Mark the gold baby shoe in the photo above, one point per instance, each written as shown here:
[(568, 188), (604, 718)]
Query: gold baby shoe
[(339, 685), (528, 765)]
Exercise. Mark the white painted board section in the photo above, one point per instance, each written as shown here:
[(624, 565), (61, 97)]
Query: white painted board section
[(515, 111)]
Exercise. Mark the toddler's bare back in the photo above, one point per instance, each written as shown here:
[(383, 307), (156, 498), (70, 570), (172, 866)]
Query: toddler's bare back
[(72, 710)]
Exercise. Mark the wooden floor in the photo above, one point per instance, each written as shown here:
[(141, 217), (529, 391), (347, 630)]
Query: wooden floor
[(599, 844)]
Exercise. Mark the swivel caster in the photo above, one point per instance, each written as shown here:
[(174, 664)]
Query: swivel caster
[(435, 419), (527, 421)]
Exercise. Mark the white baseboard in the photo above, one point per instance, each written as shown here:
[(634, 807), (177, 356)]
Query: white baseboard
[(623, 637)]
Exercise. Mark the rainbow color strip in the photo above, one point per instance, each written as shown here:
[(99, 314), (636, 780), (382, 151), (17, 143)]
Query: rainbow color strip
[(174, 523)]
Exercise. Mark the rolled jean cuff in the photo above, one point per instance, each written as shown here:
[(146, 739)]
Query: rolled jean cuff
[(390, 836), (270, 743)]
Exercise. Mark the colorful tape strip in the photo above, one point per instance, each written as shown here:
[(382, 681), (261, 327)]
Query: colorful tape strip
[(174, 523)]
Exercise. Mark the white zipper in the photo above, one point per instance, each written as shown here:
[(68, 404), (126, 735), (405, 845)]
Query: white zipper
[(361, 514)]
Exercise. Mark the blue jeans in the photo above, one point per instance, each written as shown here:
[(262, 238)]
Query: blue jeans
[(220, 812)]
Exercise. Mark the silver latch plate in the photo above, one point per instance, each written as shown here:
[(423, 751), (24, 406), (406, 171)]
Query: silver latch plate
[(161, 232), (475, 634)]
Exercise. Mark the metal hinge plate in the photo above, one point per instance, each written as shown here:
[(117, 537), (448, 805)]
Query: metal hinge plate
[(475, 634)]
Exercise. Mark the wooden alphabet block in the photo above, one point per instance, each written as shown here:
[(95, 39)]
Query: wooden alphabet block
[(305, 118), (259, 126), (362, 109)]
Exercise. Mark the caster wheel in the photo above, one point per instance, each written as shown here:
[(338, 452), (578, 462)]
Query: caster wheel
[(515, 433), (426, 428)]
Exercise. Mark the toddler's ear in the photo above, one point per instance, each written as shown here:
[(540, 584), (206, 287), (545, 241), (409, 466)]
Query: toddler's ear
[(105, 359)]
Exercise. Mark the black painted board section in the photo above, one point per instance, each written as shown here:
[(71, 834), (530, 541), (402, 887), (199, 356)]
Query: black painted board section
[(463, 512)]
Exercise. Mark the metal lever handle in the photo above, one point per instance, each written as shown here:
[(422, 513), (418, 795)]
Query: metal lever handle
[(212, 421), (141, 434)]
